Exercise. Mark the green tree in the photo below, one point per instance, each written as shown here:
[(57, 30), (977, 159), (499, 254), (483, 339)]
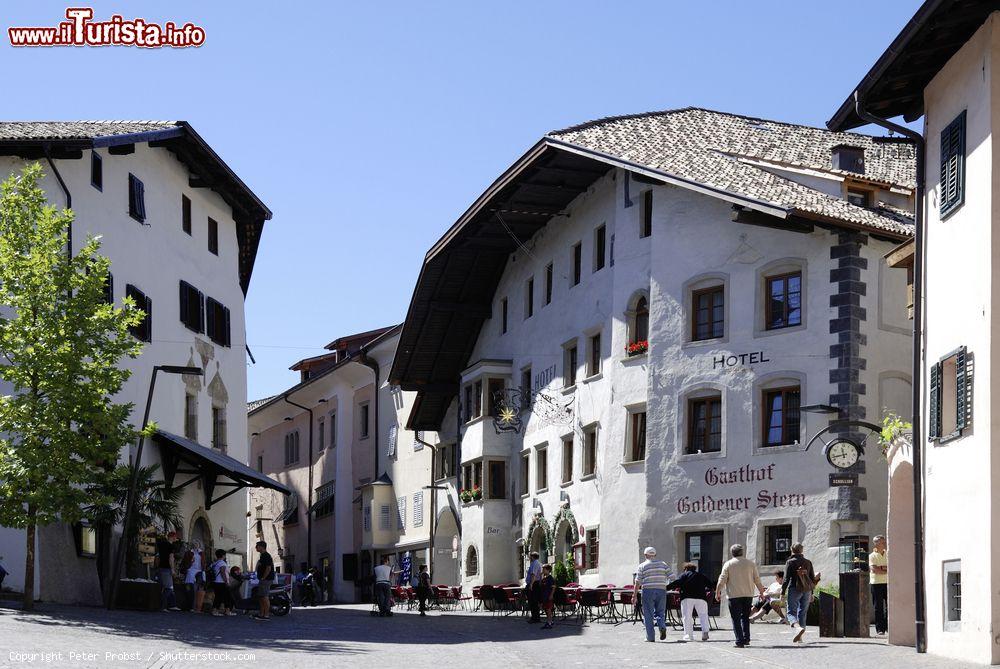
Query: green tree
[(155, 504), (60, 345)]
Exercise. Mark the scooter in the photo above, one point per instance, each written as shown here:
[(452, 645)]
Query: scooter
[(281, 602)]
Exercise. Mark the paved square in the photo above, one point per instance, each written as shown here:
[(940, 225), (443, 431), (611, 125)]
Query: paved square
[(73, 637)]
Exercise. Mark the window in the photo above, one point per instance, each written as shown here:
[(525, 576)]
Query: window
[(191, 416), (503, 316), (364, 426), (418, 508), (467, 477), (708, 313), (611, 252), (590, 450), (86, 539), (186, 214), (600, 247), (384, 517), (548, 283), (192, 307), (324, 500), (593, 548), (952, 595), (781, 417), (291, 448), (471, 562), (646, 213), (290, 513), (495, 398), (640, 321), (950, 410), (705, 425), (636, 445), (525, 489), (477, 474), (953, 165), (445, 461), (569, 365), (109, 289), (96, 171), (219, 428), (594, 357), (784, 301), (260, 463), (322, 434), (525, 388), (217, 322), (477, 401), (497, 479), (136, 199), (529, 298), (401, 512), (333, 429), (541, 469), (777, 544), (577, 261), (213, 236), (567, 460), (860, 197), (144, 330), (468, 403)]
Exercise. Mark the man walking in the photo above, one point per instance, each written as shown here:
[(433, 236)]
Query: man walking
[(742, 583), (165, 571), (878, 565), (532, 584), (265, 577), (383, 587), (800, 581), (651, 583), (423, 588)]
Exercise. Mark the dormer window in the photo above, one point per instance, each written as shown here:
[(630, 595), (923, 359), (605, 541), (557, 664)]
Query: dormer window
[(849, 159), (860, 197)]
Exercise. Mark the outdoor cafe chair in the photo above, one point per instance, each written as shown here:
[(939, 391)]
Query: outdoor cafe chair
[(596, 603), (565, 602), (502, 601)]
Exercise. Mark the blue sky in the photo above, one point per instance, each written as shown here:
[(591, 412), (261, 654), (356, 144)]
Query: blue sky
[(369, 127)]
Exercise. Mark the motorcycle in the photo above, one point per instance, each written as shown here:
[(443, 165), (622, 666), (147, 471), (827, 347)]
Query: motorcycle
[(279, 595)]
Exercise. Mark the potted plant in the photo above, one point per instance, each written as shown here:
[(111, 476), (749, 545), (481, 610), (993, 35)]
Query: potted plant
[(477, 493), (465, 495), (636, 348)]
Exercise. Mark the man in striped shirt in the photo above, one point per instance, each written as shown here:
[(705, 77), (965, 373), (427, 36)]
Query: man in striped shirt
[(651, 582)]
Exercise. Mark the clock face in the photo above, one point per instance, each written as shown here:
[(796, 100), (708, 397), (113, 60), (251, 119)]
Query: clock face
[(842, 454)]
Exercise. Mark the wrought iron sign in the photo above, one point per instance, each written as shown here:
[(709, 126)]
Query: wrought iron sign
[(510, 405)]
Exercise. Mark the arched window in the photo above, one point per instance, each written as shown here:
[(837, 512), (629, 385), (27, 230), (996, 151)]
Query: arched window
[(471, 562), (640, 327)]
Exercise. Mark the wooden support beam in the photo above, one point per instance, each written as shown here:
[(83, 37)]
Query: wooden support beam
[(753, 217), (208, 483), (121, 149)]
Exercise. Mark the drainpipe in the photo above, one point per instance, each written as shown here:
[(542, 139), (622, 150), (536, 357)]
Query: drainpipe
[(917, 369), (69, 200), (372, 365), (309, 517)]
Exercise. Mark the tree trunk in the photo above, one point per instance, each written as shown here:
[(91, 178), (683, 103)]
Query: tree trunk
[(28, 603)]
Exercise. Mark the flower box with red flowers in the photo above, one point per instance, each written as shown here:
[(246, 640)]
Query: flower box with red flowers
[(636, 348)]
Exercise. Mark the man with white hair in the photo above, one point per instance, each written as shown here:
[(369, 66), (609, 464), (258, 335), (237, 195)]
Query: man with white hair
[(878, 565), (741, 582), (651, 584)]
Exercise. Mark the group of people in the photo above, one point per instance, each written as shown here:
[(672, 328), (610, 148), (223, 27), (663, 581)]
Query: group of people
[(420, 582), (199, 576), (789, 595), (310, 585)]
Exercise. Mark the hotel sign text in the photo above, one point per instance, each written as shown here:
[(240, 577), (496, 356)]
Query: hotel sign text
[(738, 359)]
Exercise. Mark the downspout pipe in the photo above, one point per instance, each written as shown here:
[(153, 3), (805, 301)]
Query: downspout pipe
[(309, 515), (69, 199), (917, 368)]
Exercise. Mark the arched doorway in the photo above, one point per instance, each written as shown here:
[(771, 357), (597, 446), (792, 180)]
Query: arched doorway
[(539, 544), (445, 564), (201, 532)]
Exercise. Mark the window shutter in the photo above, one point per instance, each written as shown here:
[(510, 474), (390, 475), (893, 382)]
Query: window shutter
[(109, 289), (963, 389), (934, 408), (140, 200), (226, 332), (201, 312), (383, 517), (393, 432), (185, 303), (952, 165), (401, 512), (418, 509)]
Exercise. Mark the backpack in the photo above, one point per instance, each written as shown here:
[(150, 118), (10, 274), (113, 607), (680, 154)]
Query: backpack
[(806, 584)]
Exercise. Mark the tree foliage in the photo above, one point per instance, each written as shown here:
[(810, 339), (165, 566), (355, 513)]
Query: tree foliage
[(60, 348)]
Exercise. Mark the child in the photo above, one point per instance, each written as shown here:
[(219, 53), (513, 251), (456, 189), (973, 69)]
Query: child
[(548, 591)]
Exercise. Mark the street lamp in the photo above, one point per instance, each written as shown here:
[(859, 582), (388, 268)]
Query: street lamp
[(134, 475)]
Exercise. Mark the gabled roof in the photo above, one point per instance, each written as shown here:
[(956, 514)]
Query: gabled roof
[(732, 153), (895, 84), (717, 154), (68, 139)]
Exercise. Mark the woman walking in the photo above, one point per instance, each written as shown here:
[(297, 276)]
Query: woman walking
[(219, 577), (694, 588), (800, 581)]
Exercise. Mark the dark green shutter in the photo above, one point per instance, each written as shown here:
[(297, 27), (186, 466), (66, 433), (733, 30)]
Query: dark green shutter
[(185, 304), (934, 408), (226, 332), (963, 390), (148, 327), (952, 165), (201, 311), (210, 324)]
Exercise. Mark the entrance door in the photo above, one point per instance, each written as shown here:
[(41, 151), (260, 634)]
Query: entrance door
[(705, 549)]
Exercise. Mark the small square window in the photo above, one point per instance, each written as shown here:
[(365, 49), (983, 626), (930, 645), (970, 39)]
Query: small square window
[(636, 445), (784, 300), (952, 593), (600, 247), (860, 197), (777, 544), (96, 171), (708, 313), (704, 425), (781, 417), (577, 262), (593, 548)]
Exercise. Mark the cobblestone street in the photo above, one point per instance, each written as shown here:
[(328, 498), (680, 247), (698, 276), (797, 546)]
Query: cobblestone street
[(62, 636)]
